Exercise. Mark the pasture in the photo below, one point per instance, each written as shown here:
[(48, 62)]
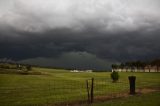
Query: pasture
[(54, 86)]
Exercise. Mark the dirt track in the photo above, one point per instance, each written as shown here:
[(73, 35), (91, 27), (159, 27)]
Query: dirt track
[(103, 98)]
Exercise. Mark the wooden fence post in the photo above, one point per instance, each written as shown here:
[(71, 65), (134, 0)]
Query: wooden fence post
[(132, 84), (92, 90)]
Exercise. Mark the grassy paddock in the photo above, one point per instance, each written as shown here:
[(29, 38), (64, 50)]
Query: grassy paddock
[(55, 86)]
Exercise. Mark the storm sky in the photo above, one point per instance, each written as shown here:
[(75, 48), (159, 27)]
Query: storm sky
[(89, 34)]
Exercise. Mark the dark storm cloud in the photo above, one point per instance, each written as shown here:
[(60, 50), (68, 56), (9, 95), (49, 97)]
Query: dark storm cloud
[(62, 32), (74, 60), (132, 45)]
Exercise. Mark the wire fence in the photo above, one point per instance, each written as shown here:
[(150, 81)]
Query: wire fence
[(65, 92), (54, 92)]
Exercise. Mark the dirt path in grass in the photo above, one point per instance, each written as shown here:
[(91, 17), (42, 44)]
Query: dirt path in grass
[(107, 97), (139, 91)]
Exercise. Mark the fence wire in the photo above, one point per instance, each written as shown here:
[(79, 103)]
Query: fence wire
[(63, 92)]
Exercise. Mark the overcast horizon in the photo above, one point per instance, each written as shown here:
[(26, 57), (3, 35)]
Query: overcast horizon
[(89, 34)]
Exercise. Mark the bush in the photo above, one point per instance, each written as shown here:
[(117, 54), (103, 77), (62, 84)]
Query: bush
[(115, 76)]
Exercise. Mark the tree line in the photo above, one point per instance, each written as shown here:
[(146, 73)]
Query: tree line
[(138, 65), (18, 66)]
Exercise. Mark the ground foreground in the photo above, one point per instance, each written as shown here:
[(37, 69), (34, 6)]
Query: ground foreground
[(55, 87), (148, 99)]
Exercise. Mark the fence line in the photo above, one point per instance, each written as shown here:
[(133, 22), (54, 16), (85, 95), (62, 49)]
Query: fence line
[(64, 91)]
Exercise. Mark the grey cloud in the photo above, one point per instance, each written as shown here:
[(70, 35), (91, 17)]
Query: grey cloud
[(107, 15), (55, 30)]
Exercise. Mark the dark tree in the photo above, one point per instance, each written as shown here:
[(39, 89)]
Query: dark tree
[(29, 67), (115, 66), (156, 63)]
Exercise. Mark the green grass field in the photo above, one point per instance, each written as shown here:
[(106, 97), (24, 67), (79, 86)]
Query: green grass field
[(56, 86)]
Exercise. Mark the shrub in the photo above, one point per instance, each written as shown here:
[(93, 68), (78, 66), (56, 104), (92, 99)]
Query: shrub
[(115, 76)]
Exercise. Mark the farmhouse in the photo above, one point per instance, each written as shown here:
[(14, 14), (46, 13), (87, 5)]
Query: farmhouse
[(148, 68), (89, 71)]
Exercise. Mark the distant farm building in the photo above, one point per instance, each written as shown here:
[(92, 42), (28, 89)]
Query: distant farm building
[(134, 69), (89, 71)]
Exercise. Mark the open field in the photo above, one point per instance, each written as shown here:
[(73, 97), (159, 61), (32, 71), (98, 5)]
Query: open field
[(57, 86)]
